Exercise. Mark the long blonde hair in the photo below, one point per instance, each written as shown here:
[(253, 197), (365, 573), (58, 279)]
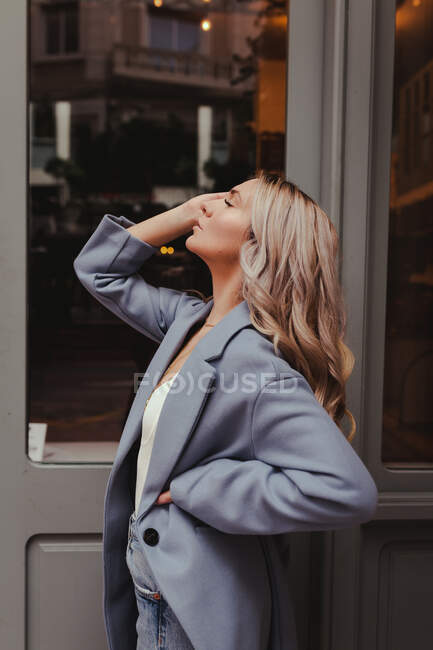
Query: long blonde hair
[(291, 285)]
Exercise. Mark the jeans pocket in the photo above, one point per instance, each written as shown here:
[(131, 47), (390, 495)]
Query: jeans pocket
[(141, 573), (147, 594)]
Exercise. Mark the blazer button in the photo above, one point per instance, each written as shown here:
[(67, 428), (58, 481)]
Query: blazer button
[(151, 536)]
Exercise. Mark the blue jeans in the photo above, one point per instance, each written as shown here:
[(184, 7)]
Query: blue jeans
[(157, 625)]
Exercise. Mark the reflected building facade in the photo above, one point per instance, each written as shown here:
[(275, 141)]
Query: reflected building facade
[(134, 107)]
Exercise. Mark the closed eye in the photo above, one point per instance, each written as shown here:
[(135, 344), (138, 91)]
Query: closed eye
[(227, 203)]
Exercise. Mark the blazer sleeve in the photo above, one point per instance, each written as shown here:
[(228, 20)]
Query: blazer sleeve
[(303, 475), (107, 266)]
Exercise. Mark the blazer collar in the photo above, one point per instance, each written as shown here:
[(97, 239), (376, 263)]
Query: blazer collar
[(213, 343), (210, 346)]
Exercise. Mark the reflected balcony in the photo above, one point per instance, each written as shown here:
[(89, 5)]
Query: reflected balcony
[(171, 66)]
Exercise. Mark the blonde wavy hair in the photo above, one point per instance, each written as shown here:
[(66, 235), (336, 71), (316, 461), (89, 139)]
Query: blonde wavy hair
[(291, 285)]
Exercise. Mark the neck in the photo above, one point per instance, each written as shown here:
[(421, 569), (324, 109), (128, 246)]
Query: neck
[(226, 293)]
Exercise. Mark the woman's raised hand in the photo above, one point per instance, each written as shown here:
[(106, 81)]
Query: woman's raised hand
[(166, 226), (191, 210)]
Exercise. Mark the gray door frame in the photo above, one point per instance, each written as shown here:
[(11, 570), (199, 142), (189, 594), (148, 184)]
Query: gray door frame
[(339, 111), (339, 99), (47, 499)]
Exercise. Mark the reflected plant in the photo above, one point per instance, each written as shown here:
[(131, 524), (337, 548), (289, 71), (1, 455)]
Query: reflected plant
[(67, 170), (228, 174), (270, 43)]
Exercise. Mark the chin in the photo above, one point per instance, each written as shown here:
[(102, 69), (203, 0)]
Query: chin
[(190, 243), (193, 246)]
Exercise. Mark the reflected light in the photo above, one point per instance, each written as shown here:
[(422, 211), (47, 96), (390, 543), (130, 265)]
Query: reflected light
[(416, 3), (205, 25)]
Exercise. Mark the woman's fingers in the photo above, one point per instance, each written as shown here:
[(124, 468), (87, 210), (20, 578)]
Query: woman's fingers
[(196, 202), (213, 195), (164, 497)]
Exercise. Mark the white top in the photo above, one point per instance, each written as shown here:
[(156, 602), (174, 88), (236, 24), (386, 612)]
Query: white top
[(148, 428)]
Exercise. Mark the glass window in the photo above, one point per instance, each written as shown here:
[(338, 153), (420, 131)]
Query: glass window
[(71, 29), (52, 30), (60, 21), (161, 32), (408, 405), (100, 129), (174, 33), (187, 36)]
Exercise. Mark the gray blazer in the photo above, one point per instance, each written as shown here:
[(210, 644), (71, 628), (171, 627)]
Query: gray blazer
[(246, 450)]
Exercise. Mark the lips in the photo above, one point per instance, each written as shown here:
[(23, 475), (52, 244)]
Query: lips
[(198, 225)]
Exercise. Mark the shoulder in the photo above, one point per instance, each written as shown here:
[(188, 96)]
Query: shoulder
[(189, 303), (252, 352)]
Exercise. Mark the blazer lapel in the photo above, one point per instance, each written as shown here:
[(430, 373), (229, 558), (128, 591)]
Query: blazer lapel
[(165, 353), (186, 398), (180, 412)]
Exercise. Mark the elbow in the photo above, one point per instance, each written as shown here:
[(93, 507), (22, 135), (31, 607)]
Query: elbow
[(83, 275), (366, 502), (78, 269)]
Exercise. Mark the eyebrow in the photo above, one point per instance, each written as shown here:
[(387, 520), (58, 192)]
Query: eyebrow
[(237, 193)]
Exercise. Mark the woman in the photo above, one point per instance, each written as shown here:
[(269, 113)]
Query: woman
[(246, 395)]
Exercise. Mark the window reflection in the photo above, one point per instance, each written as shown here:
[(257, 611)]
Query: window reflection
[(408, 403), (60, 26), (134, 107)]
